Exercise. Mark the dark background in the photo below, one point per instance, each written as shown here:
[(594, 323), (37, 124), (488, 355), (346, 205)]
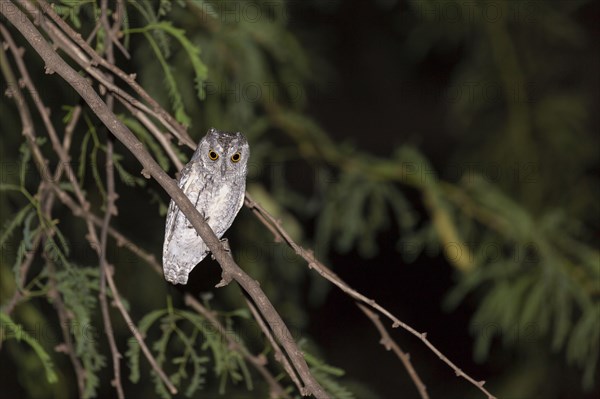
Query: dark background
[(379, 75)]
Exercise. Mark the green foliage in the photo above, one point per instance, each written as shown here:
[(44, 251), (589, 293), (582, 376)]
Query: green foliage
[(176, 100), (328, 377), (148, 140), (356, 219), (186, 344), (160, 29), (78, 287), (192, 51), (531, 286), (522, 244), (11, 224), (21, 335), (25, 245)]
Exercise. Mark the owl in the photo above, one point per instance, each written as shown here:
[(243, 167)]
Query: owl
[(215, 181)]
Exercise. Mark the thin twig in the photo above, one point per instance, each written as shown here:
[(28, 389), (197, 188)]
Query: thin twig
[(176, 128), (14, 91), (110, 210), (63, 318), (23, 270), (279, 355), (161, 137), (42, 162), (258, 362), (230, 269), (324, 271), (46, 199), (137, 335), (388, 343), (120, 239)]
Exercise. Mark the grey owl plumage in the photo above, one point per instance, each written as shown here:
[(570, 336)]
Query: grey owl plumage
[(215, 181)]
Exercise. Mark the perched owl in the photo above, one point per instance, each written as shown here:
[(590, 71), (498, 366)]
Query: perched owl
[(215, 181)]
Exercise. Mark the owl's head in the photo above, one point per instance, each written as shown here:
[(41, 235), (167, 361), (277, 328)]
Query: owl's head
[(223, 153)]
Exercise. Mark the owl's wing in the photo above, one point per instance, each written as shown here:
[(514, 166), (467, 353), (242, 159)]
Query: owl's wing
[(182, 248), (242, 197), (185, 180)]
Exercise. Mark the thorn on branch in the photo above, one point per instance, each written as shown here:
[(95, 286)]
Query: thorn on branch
[(225, 280), (386, 344)]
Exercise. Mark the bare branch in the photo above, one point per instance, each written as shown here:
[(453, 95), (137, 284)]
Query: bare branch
[(388, 343), (230, 268), (258, 362), (279, 355), (110, 210), (46, 200), (315, 264), (177, 129)]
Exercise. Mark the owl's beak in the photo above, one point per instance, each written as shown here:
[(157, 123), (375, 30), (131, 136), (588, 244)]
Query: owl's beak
[(223, 169)]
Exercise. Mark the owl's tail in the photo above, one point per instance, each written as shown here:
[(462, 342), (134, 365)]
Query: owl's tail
[(174, 274)]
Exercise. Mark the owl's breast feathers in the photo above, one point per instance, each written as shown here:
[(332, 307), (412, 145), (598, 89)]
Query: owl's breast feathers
[(218, 201)]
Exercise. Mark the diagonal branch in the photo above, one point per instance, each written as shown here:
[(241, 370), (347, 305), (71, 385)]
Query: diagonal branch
[(258, 362), (313, 263), (46, 199), (175, 127), (110, 210), (279, 355), (230, 269), (388, 343), (42, 163)]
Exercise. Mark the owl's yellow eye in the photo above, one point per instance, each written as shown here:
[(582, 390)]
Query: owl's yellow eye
[(213, 155), (236, 157)]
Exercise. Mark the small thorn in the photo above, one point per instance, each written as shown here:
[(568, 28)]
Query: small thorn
[(225, 280)]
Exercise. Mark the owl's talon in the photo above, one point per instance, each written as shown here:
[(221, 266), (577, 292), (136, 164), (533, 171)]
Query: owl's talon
[(225, 243)]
